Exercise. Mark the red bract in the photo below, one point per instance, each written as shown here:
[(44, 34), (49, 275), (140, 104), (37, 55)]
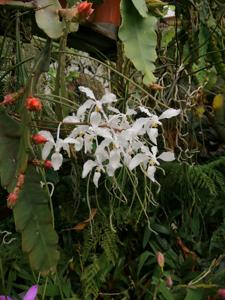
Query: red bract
[(33, 104), (39, 139), (47, 164), (84, 10)]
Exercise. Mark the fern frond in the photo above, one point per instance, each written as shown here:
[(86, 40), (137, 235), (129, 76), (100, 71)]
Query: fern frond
[(109, 245)]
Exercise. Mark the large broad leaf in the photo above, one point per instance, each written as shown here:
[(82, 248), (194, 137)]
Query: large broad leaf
[(139, 38), (31, 212), (33, 220), (141, 7), (47, 18)]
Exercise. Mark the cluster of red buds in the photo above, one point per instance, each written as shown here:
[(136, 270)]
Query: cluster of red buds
[(33, 104), (47, 164), (12, 97), (78, 13), (13, 196)]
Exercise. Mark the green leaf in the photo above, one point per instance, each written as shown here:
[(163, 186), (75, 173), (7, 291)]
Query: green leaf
[(141, 7), (47, 18), (33, 220), (9, 139), (139, 38), (31, 212), (142, 259), (165, 291), (197, 294)]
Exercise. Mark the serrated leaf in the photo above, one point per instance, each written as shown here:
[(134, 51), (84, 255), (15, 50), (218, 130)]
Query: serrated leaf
[(47, 18), (141, 7), (139, 38)]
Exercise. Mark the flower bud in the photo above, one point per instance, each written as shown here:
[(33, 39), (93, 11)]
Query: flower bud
[(20, 181), (160, 259), (221, 293), (84, 10), (12, 97), (39, 139), (12, 198), (47, 164), (169, 281), (33, 104), (8, 99)]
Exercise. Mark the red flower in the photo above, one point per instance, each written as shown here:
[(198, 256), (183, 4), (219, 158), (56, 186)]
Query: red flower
[(47, 164), (84, 10), (39, 139), (33, 104)]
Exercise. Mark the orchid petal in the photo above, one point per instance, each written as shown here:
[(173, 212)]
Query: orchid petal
[(87, 167), (71, 119), (57, 160), (79, 142), (137, 160), (82, 109), (88, 92), (154, 150), (153, 134), (104, 132), (145, 110), (46, 150), (151, 172), (31, 293), (5, 297), (69, 140), (113, 109), (95, 119), (108, 98), (87, 143), (169, 113), (167, 156), (96, 177), (130, 112), (114, 159)]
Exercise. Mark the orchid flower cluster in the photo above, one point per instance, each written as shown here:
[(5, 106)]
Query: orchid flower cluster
[(113, 139)]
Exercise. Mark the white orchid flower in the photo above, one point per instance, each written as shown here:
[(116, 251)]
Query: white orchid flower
[(108, 98), (155, 120)]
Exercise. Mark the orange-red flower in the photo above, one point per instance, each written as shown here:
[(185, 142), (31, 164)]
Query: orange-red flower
[(39, 139), (33, 104), (47, 164), (84, 10)]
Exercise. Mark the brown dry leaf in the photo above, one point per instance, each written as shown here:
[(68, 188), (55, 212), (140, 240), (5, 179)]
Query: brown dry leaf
[(155, 87), (81, 226)]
